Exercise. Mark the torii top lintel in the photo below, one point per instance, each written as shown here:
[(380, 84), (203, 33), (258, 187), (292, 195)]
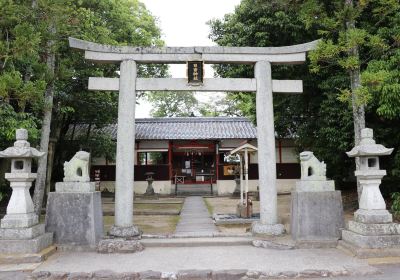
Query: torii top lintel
[(242, 55)]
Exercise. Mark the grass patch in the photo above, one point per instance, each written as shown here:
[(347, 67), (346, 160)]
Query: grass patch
[(210, 208), (156, 224), (158, 207)]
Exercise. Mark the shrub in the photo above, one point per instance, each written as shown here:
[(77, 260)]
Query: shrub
[(396, 203)]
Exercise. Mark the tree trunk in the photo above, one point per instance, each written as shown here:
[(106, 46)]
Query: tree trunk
[(45, 132), (50, 161), (358, 109)]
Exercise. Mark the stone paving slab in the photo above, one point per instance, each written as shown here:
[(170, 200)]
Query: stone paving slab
[(19, 267), (259, 261), (194, 217), (197, 242)]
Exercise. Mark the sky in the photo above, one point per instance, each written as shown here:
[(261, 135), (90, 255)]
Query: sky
[(184, 24)]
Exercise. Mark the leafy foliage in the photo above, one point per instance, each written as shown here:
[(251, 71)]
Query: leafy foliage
[(172, 104), (396, 203), (321, 118), (30, 30), (11, 120)]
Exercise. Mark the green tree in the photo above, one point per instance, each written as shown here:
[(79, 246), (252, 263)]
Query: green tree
[(353, 33), (172, 104), (258, 23), (38, 69), (111, 22), (319, 118)]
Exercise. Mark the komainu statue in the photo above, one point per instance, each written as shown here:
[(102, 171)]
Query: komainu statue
[(311, 167), (77, 169)]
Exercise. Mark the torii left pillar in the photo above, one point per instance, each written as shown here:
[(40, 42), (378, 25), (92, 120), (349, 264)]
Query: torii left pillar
[(125, 161)]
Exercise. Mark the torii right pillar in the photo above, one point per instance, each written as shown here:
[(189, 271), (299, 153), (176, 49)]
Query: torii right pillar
[(268, 223)]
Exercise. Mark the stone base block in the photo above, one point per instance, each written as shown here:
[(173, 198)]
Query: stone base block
[(119, 245), (257, 228), (373, 216), (76, 187), (315, 186), (75, 218), (366, 253), (374, 229), (19, 220), (126, 232), (22, 233), (149, 191), (27, 246), (316, 216), (28, 258), (371, 242)]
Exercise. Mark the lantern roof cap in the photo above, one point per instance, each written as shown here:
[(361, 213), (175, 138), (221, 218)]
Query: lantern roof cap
[(21, 148), (368, 146)]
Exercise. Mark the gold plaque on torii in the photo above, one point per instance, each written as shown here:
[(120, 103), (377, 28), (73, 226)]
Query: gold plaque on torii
[(195, 72)]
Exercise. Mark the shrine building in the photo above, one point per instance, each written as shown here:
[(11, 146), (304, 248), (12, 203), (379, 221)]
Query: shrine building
[(193, 151)]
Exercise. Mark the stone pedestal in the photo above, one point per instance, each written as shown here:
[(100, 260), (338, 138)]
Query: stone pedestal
[(372, 233), (315, 186), (316, 218), (260, 229), (20, 231), (24, 240), (75, 187), (76, 218), (150, 193), (121, 240)]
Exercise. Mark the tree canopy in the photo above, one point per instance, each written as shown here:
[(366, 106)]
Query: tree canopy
[(321, 118), (40, 73), (24, 74)]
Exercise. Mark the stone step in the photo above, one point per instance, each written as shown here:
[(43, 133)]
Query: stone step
[(228, 274), (371, 242), (185, 194), (28, 258), (366, 253), (197, 242), (192, 230)]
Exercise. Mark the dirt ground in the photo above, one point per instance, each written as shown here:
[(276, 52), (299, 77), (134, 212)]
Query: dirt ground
[(152, 216), (149, 224), (227, 205)]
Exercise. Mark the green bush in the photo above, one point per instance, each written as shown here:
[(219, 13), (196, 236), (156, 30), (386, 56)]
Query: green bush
[(396, 203)]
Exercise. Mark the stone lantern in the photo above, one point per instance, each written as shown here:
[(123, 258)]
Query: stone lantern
[(20, 231), (369, 175), (150, 180), (372, 227)]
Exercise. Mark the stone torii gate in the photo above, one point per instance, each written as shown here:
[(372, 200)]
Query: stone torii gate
[(128, 83)]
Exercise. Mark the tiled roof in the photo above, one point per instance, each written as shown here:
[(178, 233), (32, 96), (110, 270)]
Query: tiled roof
[(187, 128)]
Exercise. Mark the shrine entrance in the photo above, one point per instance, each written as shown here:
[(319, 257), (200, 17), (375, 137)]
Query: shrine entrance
[(128, 84), (194, 162)]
